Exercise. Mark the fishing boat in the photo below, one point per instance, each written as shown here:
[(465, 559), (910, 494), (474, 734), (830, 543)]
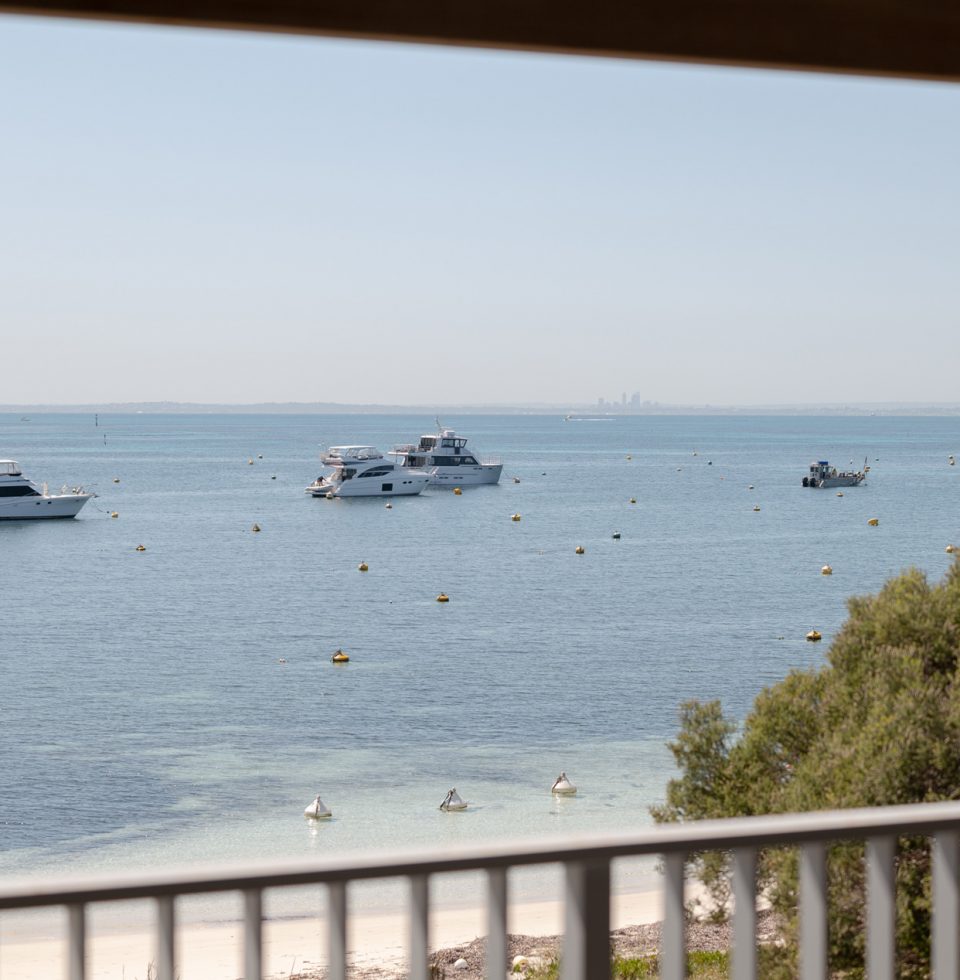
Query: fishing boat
[(822, 474)]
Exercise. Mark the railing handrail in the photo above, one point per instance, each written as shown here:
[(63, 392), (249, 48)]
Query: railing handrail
[(757, 831)]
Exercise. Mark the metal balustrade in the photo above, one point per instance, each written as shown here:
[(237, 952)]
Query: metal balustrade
[(586, 860)]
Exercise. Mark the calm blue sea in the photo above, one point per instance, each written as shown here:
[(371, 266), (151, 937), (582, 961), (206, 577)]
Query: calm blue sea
[(147, 719)]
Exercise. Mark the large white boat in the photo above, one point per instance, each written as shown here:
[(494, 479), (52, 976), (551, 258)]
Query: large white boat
[(21, 500), (445, 457), (362, 471)]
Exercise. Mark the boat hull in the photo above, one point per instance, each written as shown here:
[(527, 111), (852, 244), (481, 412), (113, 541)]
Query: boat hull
[(841, 481), (399, 486), (466, 476), (34, 508)]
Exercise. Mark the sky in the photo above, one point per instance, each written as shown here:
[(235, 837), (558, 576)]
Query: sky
[(214, 216)]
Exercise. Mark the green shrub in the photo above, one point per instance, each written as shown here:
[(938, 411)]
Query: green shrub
[(878, 724)]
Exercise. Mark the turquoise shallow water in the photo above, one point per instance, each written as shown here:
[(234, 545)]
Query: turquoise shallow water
[(146, 718)]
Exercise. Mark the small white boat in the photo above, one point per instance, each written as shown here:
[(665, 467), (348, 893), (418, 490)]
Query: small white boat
[(444, 455), (362, 471), (562, 786), (316, 810), (22, 500), (453, 801), (822, 474)]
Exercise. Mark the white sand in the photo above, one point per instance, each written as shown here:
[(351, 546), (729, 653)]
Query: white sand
[(215, 951)]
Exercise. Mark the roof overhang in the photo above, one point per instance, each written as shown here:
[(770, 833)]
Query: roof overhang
[(903, 38)]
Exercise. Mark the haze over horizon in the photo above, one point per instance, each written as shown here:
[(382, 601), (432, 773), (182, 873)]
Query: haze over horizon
[(224, 218)]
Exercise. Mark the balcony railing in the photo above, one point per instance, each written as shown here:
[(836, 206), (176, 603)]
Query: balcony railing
[(586, 862)]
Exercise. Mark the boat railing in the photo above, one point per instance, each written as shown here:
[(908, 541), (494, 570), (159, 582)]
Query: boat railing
[(490, 460), (586, 863)]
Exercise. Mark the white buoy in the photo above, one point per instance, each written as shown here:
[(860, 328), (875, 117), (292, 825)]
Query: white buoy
[(460, 964), (316, 810), (562, 786), (453, 801)]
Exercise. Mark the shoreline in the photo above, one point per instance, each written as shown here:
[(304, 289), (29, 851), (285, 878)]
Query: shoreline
[(296, 946)]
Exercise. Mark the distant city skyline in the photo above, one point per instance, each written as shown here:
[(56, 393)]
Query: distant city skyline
[(227, 218)]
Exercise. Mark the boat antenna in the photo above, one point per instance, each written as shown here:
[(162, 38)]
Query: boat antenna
[(436, 419)]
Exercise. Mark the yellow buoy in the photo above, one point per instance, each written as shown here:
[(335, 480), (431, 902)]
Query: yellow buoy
[(457, 491), (814, 636), (826, 570), (874, 521), (515, 517), (580, 549), (633, 500), (443, 597), (950, 549), (839, 493), (249, 462), (363, 567), (113, 513), (255, 528), (140, 547), (340, 657)]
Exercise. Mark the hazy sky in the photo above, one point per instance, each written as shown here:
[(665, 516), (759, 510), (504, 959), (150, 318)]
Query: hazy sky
[(209, 216)]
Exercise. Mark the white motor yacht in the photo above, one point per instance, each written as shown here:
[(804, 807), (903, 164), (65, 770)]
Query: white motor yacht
[(362, 471), (21, 500), (444, 455)]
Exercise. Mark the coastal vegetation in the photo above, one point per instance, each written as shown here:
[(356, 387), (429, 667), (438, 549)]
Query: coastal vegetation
[(877, 724), (701, 965)]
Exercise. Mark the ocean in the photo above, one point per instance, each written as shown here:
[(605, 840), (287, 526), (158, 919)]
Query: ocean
[(179, 704)]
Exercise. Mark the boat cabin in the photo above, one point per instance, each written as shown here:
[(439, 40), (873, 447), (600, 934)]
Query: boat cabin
[(445, 448), (447, 439), (13, 483)]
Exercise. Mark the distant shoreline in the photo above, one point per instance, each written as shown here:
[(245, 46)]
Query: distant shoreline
[(935, 409)]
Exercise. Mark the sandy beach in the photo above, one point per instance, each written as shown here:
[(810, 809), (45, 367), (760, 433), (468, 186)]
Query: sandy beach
[(377, 940)]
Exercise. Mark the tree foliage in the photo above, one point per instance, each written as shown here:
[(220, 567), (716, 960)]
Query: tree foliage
[(878, 724)]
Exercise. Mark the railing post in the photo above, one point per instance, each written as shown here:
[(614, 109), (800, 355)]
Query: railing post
[(253, 934), (77, 942), (946, 905), (337, 930), (673, 951), (813, 911), (419, 928), (496, 958), (881, 908), (745, 913), (165, 937), (586, 940)]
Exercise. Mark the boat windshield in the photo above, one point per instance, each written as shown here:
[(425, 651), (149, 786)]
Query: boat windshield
[(9, 468)]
